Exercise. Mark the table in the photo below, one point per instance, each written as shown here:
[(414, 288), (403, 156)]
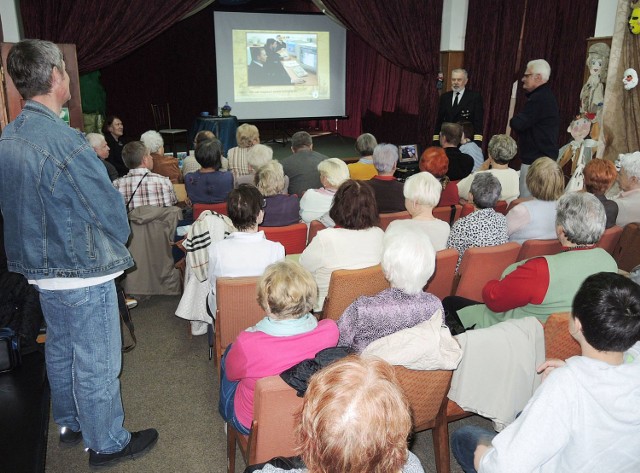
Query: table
[(224, 128)]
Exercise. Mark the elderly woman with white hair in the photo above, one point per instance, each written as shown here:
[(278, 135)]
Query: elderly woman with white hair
[(421, 194), (628, 199), (388, 189), (408, 262), (541, 286), (164, 165), (316, 202), (280, 209)]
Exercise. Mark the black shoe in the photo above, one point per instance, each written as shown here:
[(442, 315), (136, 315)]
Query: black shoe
[(69, 437), (140, 443)]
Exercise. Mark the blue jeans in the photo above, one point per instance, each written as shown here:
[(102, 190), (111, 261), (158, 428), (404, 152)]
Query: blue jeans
[(227, 395), (84, 358), (464, 442)]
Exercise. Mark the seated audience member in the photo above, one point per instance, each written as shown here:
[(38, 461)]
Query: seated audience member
[(584, 415), (287, 335), (355, 242), (247, 135), (460, 164), (189, 164), (208, 185), (408, 261), (502, 149), (355, 418), (387, 189), (628, 199), (434, 161), (257, 156), (100, 146), (541, 286), (421, 194), (485, 226), (164, 165), (599, 176), (281, 209), (302, 166), (316, 202), (113, 131), (364, 168), (141, 186), (535, 219), (468, 146)]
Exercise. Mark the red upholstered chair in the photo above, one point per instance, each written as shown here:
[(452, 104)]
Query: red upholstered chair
[(500, 207), (441, 282), (558, 342), (449, 213), (314, 227), (480, 265), (221, 208), (626, 252), (532, 248), (516, 202), (293, 237), (386, 219), (610, 238)]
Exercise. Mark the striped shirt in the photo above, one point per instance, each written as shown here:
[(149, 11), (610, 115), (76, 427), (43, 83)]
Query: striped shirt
[(154, 190)]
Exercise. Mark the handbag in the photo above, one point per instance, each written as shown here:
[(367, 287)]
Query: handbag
[(9, 350)]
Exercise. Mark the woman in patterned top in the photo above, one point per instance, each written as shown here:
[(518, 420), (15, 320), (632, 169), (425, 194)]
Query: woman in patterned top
[(408, 261)]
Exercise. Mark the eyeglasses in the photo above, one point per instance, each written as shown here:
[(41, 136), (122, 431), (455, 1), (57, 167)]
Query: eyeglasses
[(527, 75), (263, 204)]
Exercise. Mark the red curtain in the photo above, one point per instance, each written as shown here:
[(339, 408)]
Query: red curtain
[(103, 31)]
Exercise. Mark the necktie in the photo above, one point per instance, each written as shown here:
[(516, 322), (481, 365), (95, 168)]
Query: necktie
[(456, 100)]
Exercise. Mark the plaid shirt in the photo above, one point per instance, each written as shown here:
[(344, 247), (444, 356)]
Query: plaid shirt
[(155, 189)]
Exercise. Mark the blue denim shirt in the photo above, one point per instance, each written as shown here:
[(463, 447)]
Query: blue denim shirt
[(62, 216)]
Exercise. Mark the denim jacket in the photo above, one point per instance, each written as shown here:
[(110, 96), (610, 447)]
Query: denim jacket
[(62, 216)]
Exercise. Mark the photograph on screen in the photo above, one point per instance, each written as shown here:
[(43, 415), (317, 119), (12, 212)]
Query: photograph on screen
[(408, 154)]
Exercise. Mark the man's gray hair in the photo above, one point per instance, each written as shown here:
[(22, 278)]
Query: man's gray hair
[(152, 140), (630, 162), (132, 154), (463, 71), (582, 217), (301, 139), (408, 259), (365, 144), (259, 155), (502, 148), (385, 156), (95, 139), (486, 189), (30, 64), (540, 66)]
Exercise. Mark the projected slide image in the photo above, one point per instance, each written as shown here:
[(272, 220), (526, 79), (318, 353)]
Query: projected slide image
[(280, 65)]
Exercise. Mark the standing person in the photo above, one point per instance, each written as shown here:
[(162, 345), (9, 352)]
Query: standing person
[(302, 165), (538, 124), (460, 104), (68, 238), (113, 131)]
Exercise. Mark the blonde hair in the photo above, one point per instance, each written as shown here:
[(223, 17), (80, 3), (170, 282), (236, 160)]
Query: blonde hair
[(545, 180), (269, 179), (286, 290), (259, 155), (334, 170), (354, 418), (247, 135)]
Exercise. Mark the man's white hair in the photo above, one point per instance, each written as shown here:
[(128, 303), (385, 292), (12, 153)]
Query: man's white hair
[(95, 139), (630, 162), (540, 66)]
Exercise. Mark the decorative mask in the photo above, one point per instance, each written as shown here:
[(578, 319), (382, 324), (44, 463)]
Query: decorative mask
[(630, 79), (634, 19)]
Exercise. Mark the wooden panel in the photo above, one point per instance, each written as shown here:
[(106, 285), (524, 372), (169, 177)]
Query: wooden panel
[(450, 60)]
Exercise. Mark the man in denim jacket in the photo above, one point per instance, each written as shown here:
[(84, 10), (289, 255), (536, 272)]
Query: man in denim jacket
[(66, 229)]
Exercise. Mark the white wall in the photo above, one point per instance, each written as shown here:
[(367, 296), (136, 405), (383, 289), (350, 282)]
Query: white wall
[(606, 18), (11, 20)]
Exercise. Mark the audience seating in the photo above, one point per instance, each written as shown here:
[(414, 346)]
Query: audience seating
[(441, 282), (293, 237), (426, 392), (346, 285), (221, 208), (314, 227), (181, 192), (273, 428), (516, 202), (480, 265), (237, 309), (627, 250), (448, 214), (532, 248), (610, 238), (558, 342), (501, 207), (386, 219)]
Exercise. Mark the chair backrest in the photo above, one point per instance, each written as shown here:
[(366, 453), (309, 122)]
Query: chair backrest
[(181, 192), (314, 227), (273, 428), (441, 282), (237, 309), (221, 208), (386, 219), (346, 285), (610, 238), (558, 342), (500, 207), (293, 237), (480, 265), (161, 116), (515, 202), (449, 213), (531, 248), (626, 251)]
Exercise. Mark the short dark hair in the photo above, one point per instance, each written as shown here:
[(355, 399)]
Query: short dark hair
[(608, 307), (203, 135), (244, 205), (452, 132), (301, 139), (209, 154), (467, 129), (354, 206), (108, 122), (255, 52)]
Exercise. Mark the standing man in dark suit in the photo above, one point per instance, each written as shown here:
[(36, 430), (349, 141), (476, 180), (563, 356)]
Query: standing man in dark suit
[(460, 104)]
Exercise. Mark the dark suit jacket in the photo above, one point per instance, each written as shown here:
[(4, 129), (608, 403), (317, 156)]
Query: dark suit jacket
[(469, 109), (460, 164)]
